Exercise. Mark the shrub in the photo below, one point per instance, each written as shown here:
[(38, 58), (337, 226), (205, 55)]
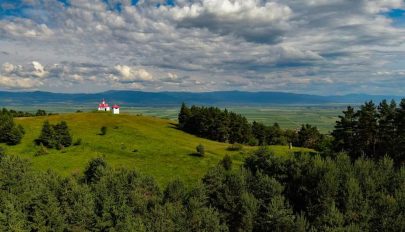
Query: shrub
[(103, 130), (41, 113), (226, 162), (77, 142), (95, 170), (200, 150), (253, 142), (59, 146), (2, 152), (235, 147), (41, 151)]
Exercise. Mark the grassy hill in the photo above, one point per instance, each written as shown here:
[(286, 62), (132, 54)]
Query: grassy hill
[(162, 151)]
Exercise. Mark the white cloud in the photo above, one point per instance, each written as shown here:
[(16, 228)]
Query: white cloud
[(25, 28), (8, 68), (130, 74), (300, 46), (18, 83), (253, 20), (38, 70)]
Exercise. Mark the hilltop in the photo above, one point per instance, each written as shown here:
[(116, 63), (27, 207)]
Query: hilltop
[(150, 145)]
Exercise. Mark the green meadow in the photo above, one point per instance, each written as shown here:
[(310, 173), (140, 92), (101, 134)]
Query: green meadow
[(151, 145)]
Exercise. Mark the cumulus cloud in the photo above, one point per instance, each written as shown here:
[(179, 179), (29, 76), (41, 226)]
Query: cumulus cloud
[(24, 28), (130, 74), (300, 46), (18, 83), (253, 20)]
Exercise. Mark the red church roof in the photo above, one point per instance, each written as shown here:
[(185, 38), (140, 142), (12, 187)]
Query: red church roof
[(103, 104)]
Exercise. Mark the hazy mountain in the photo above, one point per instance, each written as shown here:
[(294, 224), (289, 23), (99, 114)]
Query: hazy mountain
[(219, 98)]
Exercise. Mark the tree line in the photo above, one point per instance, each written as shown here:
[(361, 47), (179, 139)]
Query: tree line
[(224, 126), (372, 130), (269, 193), (18, 114)]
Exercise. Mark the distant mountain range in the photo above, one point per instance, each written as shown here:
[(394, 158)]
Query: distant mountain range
[(219, 98)]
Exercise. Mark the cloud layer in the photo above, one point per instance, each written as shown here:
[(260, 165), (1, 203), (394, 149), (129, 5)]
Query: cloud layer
[(311, 46)]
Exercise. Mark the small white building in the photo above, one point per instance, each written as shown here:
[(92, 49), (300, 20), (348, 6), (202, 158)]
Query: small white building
[(103, 106), (116, 109)]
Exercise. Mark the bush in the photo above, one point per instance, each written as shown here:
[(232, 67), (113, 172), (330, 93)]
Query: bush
[(41, 151), (77, 142), (2, 152), (226, 162), (253, 142), (103, 130), (41, 113), (59, 146), (235, 147), (200, 150), (95, 170)]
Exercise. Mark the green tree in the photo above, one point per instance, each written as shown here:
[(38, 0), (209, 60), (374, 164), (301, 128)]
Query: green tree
[(175, 192), (14, 136), (10, 133), (95, 170), (367, 129), (226, 162), (346, 131), (259, 132), (279, 217), (399, 155), (184, 115), (386, 143), (308, 136), (47, 136), (40, 113), (62, 134)]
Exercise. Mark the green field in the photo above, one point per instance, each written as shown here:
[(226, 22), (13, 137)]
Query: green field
[(324, 117), (163, 151)]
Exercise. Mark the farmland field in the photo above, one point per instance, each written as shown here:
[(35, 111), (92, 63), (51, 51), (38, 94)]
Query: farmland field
[(291, 117)]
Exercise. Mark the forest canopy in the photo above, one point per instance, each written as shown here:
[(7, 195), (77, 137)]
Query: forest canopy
[(269, 193)]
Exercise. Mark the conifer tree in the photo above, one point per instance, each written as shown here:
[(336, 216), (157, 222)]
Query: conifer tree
[(345, 131), (367, 129), (62, 134), (47, 137), (184, 115)]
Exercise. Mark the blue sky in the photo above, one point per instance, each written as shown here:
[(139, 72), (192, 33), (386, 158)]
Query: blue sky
[(308, 46)]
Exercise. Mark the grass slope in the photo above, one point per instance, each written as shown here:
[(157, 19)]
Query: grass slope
[(163, 151)]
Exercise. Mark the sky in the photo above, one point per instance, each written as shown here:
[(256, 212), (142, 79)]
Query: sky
[(323, 47)]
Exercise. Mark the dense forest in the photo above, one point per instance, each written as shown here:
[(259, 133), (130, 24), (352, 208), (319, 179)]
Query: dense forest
[(224, 126), (371, 131), (269, 193)]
